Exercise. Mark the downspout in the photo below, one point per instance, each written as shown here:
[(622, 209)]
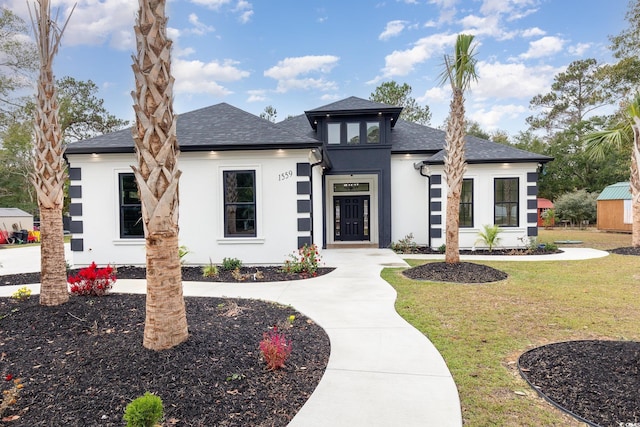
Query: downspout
[(319, 162), (420, 167)]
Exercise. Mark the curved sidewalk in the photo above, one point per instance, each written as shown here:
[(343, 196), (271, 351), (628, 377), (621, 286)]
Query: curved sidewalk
[(381, 372)]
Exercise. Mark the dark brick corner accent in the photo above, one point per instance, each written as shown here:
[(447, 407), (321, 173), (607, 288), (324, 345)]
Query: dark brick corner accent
[(304, 206), (532, 190), (304, 224), (532, 177), (436, 179), (77, 245), (75, 174), (76, 227), (303, 187), (532, 231), (75, 191), (304, 240), (436, 233), (303, 169), (532, 204), (435, 193)]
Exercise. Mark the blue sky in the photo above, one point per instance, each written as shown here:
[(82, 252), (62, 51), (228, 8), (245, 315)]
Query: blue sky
[(297, 55)]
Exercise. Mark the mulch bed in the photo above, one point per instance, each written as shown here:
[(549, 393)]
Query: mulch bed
[(82, 362), (596, 381), (257, 274), (461, 272), (626, 251)]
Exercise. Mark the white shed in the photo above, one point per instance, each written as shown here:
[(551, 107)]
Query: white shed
[(14, 216)]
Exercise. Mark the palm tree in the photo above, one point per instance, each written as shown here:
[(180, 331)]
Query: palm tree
[(459, 72), (49, 172), (624, 134), (157, 177)]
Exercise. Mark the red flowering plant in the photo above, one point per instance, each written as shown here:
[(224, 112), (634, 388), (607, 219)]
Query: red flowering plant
[(92, 281), (305, 262), (275, 348)]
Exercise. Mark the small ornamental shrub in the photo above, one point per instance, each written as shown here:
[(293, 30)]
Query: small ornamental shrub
[(230, 264), (92, 281), (210, 270), (183, 251), (145, 411), (22, 294), (305, 262), (275, 349), (489, 236), (405, 246), (442, 248)]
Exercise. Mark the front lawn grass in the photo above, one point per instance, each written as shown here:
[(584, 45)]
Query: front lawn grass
[(481, 330)]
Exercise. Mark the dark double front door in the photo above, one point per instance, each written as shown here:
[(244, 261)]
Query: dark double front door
[(351, 218)]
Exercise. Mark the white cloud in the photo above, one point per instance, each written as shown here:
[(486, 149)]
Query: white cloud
[(435, 95), (579, 49), (403, 62), (199, 28), (293, 67), (289, 72), (95, 23), (245, 9), (212, 4), (199, 77), (514, 80), (533, 32), (393, 28), (257, 95), (485, 25), (490, 118), (546, 46)]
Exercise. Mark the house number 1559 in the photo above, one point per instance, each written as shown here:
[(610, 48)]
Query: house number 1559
[(285, 175)]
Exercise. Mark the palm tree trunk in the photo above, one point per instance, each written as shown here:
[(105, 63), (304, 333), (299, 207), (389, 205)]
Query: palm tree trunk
[(157, 176), (53, 288), (454, 168), (635, 184), (49, 172)]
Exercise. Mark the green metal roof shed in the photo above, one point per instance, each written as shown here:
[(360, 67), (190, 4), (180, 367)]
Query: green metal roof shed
[(617, 191)]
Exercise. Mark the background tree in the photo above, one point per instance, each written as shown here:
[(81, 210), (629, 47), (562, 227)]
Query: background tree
[(49, 166), (18, 61), (577, 206), (624, 135), (16, 167), (393, 94), (459, 72), (82, 113), (157, 176), (269, 113)]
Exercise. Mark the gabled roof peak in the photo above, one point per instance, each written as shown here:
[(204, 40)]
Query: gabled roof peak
[(352, 106)]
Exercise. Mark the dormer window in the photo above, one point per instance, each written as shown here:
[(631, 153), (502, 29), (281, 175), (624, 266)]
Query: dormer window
[(333, 133), (352, 133), (373, 132)]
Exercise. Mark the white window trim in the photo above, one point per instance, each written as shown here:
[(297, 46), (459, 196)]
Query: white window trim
[(219, 206)]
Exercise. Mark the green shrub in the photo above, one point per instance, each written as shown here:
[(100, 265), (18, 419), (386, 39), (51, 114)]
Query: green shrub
[(306, 262), (183, 251), (209, 270), (489, 236), (145, 411), (442, 248), (230, 264), (405, 245)]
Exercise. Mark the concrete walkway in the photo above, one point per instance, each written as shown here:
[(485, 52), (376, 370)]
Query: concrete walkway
[(382, 371)]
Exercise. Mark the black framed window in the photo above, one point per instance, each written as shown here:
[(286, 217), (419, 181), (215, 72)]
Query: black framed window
[(506, 193), (239, 203), (466, 204), (373, 132), (130, 207), (353, 133)]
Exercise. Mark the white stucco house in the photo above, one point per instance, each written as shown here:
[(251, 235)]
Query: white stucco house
[(348, 173)]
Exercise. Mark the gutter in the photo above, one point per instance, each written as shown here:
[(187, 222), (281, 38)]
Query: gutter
[(420, 167)]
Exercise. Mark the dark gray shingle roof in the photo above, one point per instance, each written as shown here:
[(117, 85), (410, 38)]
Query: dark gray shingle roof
[(219, 127)]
